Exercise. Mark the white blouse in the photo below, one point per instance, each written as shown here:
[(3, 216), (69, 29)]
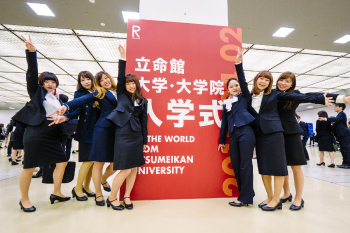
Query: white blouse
[(114, 92), (51, 103), (256, 101)]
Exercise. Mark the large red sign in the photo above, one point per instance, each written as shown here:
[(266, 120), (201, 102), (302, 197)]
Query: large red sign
[(183, 69)]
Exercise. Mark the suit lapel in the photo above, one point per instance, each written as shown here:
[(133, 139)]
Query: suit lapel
[(111, 97), (263, 102)]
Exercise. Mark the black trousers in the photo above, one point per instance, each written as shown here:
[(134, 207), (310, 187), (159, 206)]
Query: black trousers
[(345, 149), (304, 141), (242, 142), (9, 148)]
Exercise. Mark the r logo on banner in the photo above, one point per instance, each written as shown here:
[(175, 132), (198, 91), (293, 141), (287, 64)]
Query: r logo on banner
[(135, 30)]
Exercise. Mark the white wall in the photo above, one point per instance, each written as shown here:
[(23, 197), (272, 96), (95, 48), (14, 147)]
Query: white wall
[(5, 116)]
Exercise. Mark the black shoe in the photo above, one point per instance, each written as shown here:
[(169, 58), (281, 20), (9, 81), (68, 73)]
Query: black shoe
[(331, 165), (74, 194), (320, 164), (14, 163), (346, 167), (107, 189), (287, 199), (119, 207), (100, 203), (128, 206), (261, 205), (235, 204), (30, 209), (341, 166), (38, 174), (294, 207), (92, 194), (278, 206), (54, 198)]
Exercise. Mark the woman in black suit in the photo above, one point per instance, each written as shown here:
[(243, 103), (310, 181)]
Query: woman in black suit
[(42, 143), (236, 119), (325, 136), (130, 118)]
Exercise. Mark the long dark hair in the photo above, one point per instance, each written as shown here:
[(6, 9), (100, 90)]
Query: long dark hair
[(285, 75), (85, 74), (137, 95)]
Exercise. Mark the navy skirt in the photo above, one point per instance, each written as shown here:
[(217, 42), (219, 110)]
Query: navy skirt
[(294, 150), (84, 150), (102, 145), (325, 143)]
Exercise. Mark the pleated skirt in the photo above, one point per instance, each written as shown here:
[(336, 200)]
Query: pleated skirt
[(294, 150)]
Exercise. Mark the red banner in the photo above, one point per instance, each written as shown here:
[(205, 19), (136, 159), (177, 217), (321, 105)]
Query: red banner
[(183, 70)]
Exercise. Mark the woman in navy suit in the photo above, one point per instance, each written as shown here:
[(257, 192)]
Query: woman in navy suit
[(236, 119), (42, 144), (130, 118), (324, 130), (101, 149)]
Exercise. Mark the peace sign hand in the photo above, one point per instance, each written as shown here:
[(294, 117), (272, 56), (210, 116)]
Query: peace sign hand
[(29, 44), (239, 55), (122, 51)]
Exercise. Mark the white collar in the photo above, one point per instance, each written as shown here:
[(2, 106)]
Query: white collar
[(229, 101)]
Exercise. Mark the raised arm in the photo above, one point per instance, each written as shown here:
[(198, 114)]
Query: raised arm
[(32, 71), (121, 71), (339, 117), (240, 73)]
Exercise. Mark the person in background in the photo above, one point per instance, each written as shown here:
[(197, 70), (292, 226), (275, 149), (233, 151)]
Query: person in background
[(17, 143), (304, 135), (312, 139), (325, 136)]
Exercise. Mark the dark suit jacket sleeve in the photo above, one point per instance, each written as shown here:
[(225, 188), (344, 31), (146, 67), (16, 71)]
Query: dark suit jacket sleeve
[(301, 98), (121, 77), (242, 81), (143, 121), (76, 113), (32, 73), (304, 127), (339, 117), (224, 127), (77, 103)]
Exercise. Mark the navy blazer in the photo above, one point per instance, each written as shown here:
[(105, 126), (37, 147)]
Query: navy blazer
[(239, 115), (125, 109), (340, 124), (305, 130), (33, 113), (323, 128), (106, 105), (88, 115)]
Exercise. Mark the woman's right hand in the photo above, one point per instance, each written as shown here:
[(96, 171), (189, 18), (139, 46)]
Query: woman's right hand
[(221, 146), (239, 55), (59, 111), (29, 44), (122, 51)]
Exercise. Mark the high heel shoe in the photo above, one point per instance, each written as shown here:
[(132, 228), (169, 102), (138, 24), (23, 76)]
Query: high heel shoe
[(267, 208), (320, 164), (235, 204), (74, 194), (30, 209), (287, 199), (100, 203), (128, 206), (107, 189), (119, 207), (332, 165), (54, 198), (17, 160), (261, 205), (294, 207), (92, 194), (14, 163)]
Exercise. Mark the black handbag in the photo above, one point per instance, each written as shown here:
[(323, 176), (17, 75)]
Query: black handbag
[(67, 177)]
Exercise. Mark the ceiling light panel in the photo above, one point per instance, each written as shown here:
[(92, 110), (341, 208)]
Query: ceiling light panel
[(66, 80), (111, 68), (332, 83), (15, 77), (37, 29), (7, 67), (334, 68), (306, 90), (59, 46), (244, 45), (13, 87), (276, 48), (70, 89), (103, 49), (41, 9), (305, 80), (343, 40), (130, 15), (100, 34), (301, 63), (263, 60), (321, 52), (283, 32), (74, 67)]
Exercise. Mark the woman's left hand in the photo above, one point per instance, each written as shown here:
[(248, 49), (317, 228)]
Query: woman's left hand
[(58, 120), (144, 148), (328, 100)]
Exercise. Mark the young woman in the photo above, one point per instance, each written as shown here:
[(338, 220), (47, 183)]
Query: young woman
[(130, 118), (325, 136), (236, 119), (268, 130), (101, 149), (42, 144)]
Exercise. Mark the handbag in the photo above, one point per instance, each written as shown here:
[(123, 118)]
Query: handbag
[(67, 177)]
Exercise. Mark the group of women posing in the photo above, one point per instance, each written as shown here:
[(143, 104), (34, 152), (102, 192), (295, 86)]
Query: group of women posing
[(112, 128), (265, 118)]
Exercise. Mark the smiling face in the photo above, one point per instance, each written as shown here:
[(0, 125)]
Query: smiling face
[(86, 82), (284, 84), (262, 83), (105, 82), (130, 87), (233, 87), (49, 85)]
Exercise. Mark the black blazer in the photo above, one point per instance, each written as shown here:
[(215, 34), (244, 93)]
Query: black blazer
[(323, 128), (340, 125), (33, 113), (239, 115), (305, 130), (124, 112)]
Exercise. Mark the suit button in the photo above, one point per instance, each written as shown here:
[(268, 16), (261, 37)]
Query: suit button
[(86, 113), (87, 106), (84, 120)]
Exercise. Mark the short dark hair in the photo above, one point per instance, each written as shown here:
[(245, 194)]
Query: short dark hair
[(322, 114), (85, 74), (228, 81), (47, 76), (341, 105)]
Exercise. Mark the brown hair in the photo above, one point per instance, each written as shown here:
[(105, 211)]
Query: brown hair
[(137, 95), (322, 114), (285, 75), (47, 76), (264, 74), (85, 74), (101, 91)]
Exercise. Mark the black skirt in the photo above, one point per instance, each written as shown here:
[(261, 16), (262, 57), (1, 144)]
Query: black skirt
[(84, 149), (42, 145), (128, 148), (294, 150), (271, 154), (18, 141), (325, 143), (102, 149)]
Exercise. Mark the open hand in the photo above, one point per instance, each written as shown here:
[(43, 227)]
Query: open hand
[(29, 44), (221, 147), (239, 55), (122, 51), (58, 120), (328, 100)]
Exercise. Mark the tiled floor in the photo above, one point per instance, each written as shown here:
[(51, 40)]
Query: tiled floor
[(326, 195)]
